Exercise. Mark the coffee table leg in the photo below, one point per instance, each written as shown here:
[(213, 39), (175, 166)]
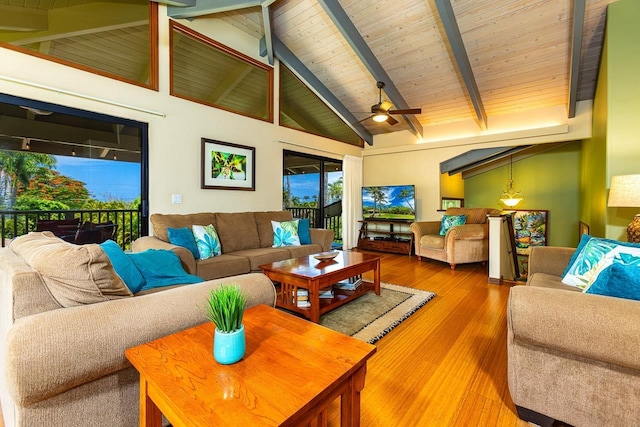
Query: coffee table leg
[(350, 401), (376, 278), (150, 415), (314, 299)]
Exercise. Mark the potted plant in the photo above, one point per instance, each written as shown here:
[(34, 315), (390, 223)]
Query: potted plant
[(225, 308)]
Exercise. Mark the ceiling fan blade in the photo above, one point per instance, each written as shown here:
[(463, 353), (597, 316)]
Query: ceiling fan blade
[(385, 105), (391, 121), (366, 118), (406, 111)]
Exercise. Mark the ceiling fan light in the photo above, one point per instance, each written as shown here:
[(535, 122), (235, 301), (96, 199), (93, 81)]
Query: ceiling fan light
[(380, 117)]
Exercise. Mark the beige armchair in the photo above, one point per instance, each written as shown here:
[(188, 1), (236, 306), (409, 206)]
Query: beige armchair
[(462, 244)]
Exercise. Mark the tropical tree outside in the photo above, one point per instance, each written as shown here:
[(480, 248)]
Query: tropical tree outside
[(16, 170), (334, 190)]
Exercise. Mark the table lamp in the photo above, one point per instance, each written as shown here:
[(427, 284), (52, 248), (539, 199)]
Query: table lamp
[(625, 193)]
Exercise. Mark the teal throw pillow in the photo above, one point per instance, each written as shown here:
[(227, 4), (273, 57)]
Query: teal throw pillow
[(285, 233), (596, 255), (304, 232), (184, 237), (123, 266), (621, 279), (207, 241), (583, 241), (449, 221), (161, 267)]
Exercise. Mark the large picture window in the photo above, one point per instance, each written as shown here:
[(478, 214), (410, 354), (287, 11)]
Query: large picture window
[(114, 39), (205, 71)]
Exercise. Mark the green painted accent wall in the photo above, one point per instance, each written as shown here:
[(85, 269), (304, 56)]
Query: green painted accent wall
[(549, 181)]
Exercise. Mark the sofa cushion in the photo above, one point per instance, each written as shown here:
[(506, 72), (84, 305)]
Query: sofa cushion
[(263, 222), (304, 250), (260, 256), (207, 241), (184, 237), (223, 266), (74, 274), (285, 233), (596, 254), (449, 221), (545, 280), (237, 231), (160, 222)]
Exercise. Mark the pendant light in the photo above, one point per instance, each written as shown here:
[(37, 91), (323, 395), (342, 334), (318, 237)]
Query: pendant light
[(511, 197)]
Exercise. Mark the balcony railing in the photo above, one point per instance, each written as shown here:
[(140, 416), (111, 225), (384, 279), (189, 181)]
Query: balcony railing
[(17, 223), (330, 222)]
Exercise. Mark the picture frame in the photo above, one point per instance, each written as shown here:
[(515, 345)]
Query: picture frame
[(451, 202), (227, 166), (530, 229), (582, 229)]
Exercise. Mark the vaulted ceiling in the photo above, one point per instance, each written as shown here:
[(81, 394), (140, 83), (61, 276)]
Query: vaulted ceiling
[(454, 59)]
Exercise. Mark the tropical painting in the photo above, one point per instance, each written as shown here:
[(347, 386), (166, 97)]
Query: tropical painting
[(227, 166), (530, 229)]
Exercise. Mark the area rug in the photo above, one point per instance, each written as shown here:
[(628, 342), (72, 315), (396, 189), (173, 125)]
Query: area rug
[(371, 317)]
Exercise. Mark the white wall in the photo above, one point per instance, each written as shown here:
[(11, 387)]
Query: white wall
[(174, 140)]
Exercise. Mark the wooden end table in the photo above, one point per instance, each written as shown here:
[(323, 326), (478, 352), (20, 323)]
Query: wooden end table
[(292, 371), (308, 273)]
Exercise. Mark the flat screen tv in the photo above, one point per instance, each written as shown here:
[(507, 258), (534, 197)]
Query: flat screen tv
[(389, 202)]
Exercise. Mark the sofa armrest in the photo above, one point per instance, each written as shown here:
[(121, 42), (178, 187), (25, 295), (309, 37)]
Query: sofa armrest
[(322, 237), (422, 228), (594, 327), (150, 242), (52, 352), (549, 259)]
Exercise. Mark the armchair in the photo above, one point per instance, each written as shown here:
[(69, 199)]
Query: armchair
[(462, 244)]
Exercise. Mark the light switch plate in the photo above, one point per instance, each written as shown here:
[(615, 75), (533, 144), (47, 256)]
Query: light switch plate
[(176, 198)]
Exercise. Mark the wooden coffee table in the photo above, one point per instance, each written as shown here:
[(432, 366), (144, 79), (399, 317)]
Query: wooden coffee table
[(292, 371), (308, 273)]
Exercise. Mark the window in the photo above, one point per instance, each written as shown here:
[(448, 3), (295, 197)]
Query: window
[(301, 109), (117, 40), (60, 163), (205, 71)]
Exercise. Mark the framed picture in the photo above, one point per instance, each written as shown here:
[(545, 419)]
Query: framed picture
[(451, 202), (530, 229), (227, 166), (582, 229)]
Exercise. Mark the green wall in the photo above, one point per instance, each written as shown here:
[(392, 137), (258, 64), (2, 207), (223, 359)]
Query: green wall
[(549, 181)]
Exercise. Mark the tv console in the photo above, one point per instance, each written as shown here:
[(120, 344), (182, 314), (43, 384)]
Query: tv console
[(386, 236)]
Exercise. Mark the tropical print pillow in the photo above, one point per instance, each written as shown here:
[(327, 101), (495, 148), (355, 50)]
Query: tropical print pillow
[(596, 255), (449, 221), (207, 240), (285, 233)]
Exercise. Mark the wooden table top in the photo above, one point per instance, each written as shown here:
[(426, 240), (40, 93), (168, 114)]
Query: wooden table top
[(307, 267), (288, 366)]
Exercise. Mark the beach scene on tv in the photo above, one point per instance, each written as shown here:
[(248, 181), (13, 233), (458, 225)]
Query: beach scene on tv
[(391, 202)]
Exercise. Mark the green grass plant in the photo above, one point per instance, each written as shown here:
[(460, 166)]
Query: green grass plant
[(225, 307)]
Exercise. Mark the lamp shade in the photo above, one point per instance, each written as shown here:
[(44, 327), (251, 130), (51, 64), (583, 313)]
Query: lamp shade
[(624, 191)]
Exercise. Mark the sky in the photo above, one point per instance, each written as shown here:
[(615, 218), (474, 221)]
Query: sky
[(105, 179), (307, 184)]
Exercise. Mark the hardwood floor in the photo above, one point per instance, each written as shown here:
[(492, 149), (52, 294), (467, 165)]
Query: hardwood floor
[(446, 365)]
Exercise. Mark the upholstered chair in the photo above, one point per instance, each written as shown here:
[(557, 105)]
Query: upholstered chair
[(461, 243)]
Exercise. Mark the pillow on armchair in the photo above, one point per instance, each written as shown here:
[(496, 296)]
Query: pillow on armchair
[(449, 221)]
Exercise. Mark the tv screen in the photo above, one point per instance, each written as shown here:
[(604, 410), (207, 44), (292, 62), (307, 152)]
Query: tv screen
[(389, 202)]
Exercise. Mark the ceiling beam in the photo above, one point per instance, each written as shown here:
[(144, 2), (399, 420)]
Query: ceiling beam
[(448, 19), (208, 7), (287, 57), (360, 47), (266, 23), (576, 52)]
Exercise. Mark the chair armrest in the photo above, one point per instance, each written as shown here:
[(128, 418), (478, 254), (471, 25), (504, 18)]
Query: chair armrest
[(422, 228), (151, 242), (322, 237), (589, 326), (549, 259), (468, 232)]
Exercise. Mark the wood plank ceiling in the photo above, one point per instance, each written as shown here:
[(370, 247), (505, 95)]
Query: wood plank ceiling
[(519, 52)]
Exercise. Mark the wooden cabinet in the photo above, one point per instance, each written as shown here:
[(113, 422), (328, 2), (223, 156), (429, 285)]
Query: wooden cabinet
[(386, 236)]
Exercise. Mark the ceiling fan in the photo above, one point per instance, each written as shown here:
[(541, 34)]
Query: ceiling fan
[(382, 110)]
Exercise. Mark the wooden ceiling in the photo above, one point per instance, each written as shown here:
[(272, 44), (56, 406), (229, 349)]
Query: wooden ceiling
[(518, 53)]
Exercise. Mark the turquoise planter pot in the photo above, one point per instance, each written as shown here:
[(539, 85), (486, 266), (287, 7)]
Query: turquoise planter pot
[(230, 347)]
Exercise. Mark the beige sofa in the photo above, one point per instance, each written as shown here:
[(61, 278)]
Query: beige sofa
[(461, 244), (572, 356), (246, 239), (64, 364)]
